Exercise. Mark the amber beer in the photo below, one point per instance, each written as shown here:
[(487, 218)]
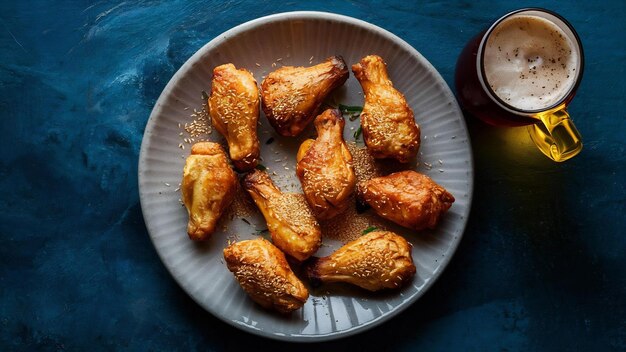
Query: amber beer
[(524, 70)]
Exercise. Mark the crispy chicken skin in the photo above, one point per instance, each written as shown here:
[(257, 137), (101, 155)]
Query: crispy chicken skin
[(289, 220), (407, 198), (263, 272), (376, 261), (292, 96), (234, 110), (325, 167), (208, 188), (388, 124)]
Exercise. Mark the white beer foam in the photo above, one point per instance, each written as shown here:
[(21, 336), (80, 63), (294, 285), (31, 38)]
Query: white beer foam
[(529, 62)]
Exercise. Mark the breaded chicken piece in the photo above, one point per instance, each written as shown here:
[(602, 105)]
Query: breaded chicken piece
[(387, 121), (292, 96), (263, 272), (407, 198), (234, 110), (208, 188), (325, 167), (378, 260), (289, 220)]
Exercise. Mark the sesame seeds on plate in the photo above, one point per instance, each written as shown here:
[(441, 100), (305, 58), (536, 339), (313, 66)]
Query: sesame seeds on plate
[(200, 127)]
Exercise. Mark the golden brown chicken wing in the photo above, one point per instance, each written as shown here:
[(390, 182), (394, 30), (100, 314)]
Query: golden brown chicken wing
[(375, 261), (407, 198), (289, 220), (292, 96), (208, 188), (389, 128), (263, 272), (234, 110), (325, 167)]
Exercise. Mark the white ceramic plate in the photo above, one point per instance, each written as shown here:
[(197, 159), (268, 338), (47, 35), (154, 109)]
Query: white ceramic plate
[(297, 38)]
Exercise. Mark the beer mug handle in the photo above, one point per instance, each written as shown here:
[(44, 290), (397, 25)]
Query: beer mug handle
[(556, 136)]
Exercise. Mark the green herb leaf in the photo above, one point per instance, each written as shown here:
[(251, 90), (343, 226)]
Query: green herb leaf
[(261, 167), (348, 109), (270, 141), (265, 233), (357, 133), (369, 229), (205, 96), (353, 111)]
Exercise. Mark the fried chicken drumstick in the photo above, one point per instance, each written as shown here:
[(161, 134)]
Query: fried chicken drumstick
[(375, 261), (292, 96), (388, 124), (325, 167), (208, 188), (263, 272), (407, 198), (234, 110), (289, 220)]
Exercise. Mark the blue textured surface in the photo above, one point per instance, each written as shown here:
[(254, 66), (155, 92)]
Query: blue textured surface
[(542, 265)]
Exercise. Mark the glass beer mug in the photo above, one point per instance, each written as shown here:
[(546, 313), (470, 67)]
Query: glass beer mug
[(524, 70)]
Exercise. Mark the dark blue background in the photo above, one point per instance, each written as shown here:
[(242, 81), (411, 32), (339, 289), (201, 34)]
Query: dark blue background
[(541, 265)]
